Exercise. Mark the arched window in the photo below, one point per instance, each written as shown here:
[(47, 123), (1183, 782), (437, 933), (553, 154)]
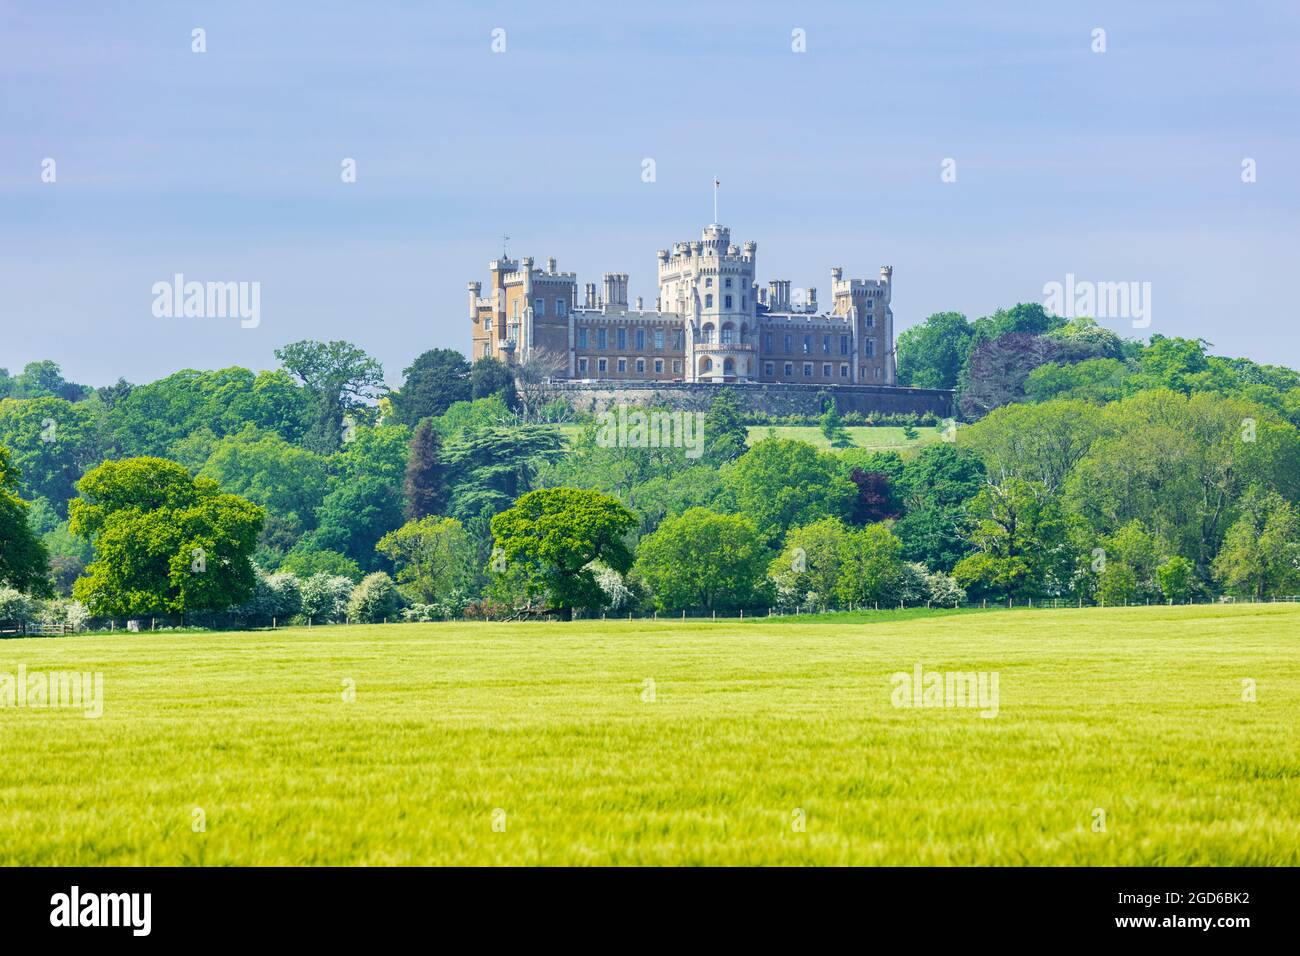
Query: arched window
[(728, 333), (708, 300), (706, 334), (729, 367), (706, 365)]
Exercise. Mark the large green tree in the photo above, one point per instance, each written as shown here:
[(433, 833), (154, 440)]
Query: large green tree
[(53, 442), (434, 557), (433, 382), (702, 560), (425, 485), (552, 536), (24, 562), (1260, 556), (165, 542), (489, 377), (781, 483), (931, 355), (341, 380), (1021, 541), (725, 431), (489, 467)]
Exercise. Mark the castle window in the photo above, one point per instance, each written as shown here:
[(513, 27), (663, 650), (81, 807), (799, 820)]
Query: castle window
[(767, 341), (728, 334), (659, 366), (807, 345), (582, 338), (826, 370), (677, 366), (706, 334), (728, 283), (871, 348), (640, 340), (844, 345), (708, 301), (582, 367), (744, 302), (844, 370), (708, 282), (539, 308), (659, 341), (789, 370), (826, 345), (678, 339), (602, 365), (807, 369), (769, 369), (640, 366), (487, 349), (622, 365), (561, 307), (871, 321), (787, 345), (602, 342), (622, 338), (727, 303)]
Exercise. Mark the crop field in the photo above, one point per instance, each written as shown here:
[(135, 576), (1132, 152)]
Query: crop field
[(1150, 736)]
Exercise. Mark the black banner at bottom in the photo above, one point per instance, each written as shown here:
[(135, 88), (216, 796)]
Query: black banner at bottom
[(334, 906)]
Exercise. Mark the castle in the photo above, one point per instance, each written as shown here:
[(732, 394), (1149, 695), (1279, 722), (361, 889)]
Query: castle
[(712, 322)]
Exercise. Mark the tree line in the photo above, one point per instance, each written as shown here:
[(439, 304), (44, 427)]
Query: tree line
[(312, 492)]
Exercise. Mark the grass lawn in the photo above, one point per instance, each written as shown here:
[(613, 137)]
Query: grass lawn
[(875, 437), (1135, 711)]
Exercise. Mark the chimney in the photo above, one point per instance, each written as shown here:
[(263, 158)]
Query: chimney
[(638, 304), (812, 300), (590, 295), (778, 294), (616, 289), (550, 264)]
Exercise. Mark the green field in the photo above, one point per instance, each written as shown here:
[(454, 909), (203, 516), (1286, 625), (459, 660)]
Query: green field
[(1135, 711), (874, 437)]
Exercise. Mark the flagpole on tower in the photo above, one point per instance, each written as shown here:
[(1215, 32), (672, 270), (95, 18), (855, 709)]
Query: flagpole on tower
[(716, 183)]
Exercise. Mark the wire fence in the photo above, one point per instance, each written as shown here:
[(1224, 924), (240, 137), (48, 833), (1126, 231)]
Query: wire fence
[(155, 624)]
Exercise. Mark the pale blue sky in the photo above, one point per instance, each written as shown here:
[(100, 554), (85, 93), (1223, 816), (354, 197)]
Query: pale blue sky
[(225, 165)]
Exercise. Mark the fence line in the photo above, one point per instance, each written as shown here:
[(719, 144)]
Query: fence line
[(39, 629)]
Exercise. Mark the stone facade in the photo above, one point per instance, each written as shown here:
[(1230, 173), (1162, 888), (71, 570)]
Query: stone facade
[(712, 322)]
